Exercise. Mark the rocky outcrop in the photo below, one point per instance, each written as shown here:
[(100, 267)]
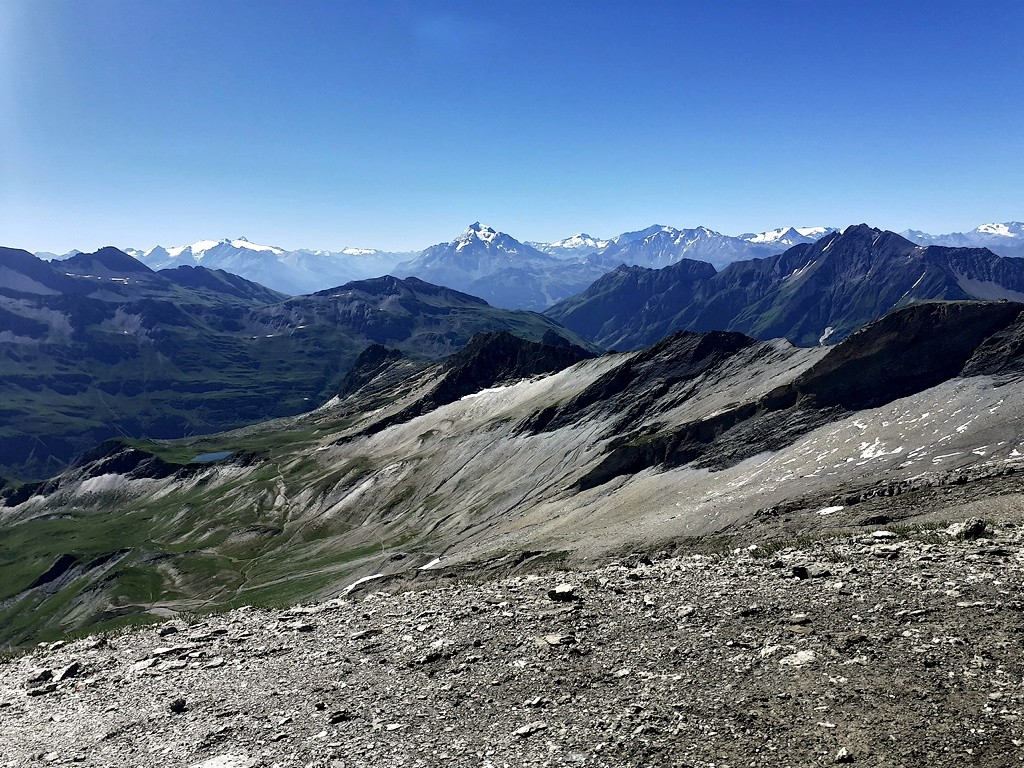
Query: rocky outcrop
[(904, 353)]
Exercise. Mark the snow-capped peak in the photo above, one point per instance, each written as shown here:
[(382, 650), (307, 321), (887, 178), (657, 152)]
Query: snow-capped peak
[(1007, 229), (788, 235), (199, 248), (475, 231), (579, 240)]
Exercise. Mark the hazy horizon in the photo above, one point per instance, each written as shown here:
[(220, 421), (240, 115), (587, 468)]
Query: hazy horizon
[(395, 124)]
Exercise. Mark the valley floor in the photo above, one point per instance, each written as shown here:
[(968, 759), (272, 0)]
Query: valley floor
[(897, 647)]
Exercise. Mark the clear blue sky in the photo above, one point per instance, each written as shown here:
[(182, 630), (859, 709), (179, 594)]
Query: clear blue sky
[(395, 123)]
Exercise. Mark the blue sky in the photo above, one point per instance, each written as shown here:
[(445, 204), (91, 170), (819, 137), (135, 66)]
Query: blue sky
[(395, 123)]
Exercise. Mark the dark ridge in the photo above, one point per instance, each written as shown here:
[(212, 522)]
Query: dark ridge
[(812, 293), (488, 360), (222, 282), (1000, 355), (498, 358), (382, 286), (14, 494), (610, 307), (906, 352), (62, 565), (110, 258), (39, 270), (630, 389), (371, 362), (116, 457)]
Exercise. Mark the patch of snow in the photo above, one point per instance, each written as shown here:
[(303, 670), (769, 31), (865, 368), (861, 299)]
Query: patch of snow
[(103, 483), (1009, 229), (433, 563), (830, 510), (363, 580)]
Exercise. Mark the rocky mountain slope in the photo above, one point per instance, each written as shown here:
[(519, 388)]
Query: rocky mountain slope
[(884, 646), (99, 346), (477, 463), (811, 294)]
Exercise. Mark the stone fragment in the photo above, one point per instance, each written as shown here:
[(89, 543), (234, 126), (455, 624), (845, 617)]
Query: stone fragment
[(558, 640), (813, 571), (529, 729), (798, 659), (564, 593), (71, 670), (39, 675), (972, 528), (854, 638), (365, 633), (843, 756)]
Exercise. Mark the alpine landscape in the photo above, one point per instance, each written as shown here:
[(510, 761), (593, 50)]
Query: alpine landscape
[(388, 485)]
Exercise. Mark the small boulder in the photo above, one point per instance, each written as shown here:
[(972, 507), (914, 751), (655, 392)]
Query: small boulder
[(973, 528), (529, 729), (563, 593)]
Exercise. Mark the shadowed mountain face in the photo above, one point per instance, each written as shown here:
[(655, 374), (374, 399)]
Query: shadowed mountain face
[(99, 345), (516, 446), (813, 293)]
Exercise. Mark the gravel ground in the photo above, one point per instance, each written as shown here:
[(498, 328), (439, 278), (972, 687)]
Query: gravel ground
[(882, 648)]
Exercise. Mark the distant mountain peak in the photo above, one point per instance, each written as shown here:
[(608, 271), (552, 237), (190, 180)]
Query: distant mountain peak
[(198, 249), (109, 258), (787, 235), (1013, 229), (477, 231), (579, 240)]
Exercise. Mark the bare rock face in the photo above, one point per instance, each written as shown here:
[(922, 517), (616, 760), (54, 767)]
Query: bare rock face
[(901, 657)]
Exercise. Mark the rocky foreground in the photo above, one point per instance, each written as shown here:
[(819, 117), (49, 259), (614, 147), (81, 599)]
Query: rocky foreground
[(883, 648)]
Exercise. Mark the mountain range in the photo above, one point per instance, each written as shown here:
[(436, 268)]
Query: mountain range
[(1005, 239), (513, 274), (100, 345), (291, 272), (812, 293), (514, 453)]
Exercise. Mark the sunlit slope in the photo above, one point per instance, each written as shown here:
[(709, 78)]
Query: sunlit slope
[(700, 435)]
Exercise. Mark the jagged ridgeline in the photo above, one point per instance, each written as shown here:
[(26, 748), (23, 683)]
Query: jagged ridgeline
[(99, 346), (515, 450), (813, 293)]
